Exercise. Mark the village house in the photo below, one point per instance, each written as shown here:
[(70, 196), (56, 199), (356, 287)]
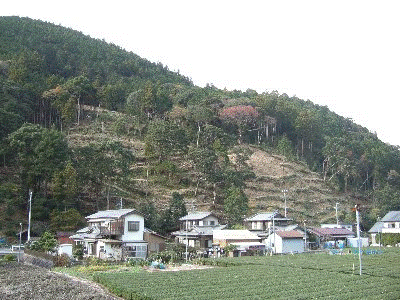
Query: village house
[(196, 230), (118, 235), (286, 241), (390, 223), (264, 221), (243, 240)]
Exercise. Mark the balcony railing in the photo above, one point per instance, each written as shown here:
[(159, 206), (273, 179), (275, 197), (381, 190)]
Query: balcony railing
[(114, 228)]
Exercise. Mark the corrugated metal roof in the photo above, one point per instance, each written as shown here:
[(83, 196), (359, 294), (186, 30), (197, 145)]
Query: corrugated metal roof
[(196, 216), (111, 214), (331, 231), (391, 216)]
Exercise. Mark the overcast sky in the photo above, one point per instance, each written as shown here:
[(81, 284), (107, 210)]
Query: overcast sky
[(342, 54)]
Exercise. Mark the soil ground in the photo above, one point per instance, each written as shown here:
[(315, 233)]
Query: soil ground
[(26, 282)]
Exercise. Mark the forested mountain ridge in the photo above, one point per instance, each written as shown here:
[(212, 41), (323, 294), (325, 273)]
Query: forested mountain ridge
[(84, 124)]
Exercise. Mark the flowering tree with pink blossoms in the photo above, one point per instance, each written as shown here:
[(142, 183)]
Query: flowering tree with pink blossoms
[(241, 116)]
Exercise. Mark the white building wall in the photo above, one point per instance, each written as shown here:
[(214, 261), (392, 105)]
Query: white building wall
[(285, 245), (292, 246), (206, 221), (65, 249), (130, 236)]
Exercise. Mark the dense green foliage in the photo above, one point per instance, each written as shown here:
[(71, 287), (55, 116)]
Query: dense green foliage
[(73, 111), (305, 276)]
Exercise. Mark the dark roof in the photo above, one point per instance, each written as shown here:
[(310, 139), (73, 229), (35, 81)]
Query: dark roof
[(391, 216), (330, 231), (290, 234)]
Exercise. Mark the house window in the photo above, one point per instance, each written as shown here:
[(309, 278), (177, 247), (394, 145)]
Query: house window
[(205, 223), (133, 225), (212, 223), (139, 251)]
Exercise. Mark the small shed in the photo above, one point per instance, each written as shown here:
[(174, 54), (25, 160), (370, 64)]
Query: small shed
[(291, 241), (330, 237)]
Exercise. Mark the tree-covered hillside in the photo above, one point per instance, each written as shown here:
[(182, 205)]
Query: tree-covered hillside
[(87, 125)]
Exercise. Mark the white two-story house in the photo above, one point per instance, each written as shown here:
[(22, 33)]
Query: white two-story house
[(390, 223), (196, 229), (113, 234)]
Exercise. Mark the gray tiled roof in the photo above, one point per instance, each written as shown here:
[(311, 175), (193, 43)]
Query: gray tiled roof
[(376, 228), (195, 216), (266, 216), (391, 216), (112, 214), (86, 233)]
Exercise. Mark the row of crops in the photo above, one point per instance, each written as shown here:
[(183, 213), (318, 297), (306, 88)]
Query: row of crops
[(303, 276)]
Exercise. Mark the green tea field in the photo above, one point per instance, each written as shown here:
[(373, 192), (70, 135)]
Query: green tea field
[(302, 276)]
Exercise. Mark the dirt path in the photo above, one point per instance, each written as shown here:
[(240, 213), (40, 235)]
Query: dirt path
[(33, 283)]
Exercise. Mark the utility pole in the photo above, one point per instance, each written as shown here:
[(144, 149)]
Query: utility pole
[(187, 242), (273, 231), (29, 216), (305, 236), (337, 218), (357, 208), (20, 238), (284, 196)]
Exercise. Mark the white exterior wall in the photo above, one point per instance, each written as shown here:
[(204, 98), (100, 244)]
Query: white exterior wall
[(130, 236), (285, 245), (292, 246), (206, 221), (65, 249)]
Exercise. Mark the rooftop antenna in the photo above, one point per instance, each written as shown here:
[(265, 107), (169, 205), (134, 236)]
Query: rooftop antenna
[(120, 203)]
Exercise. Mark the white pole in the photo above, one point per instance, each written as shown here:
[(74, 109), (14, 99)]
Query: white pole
[(29, 216), (359, 238), (305, 236), (19, 247), (273, 231), (284, 196), (187, 242), (337, 219)]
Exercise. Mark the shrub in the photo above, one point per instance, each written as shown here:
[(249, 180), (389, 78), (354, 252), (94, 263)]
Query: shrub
[(62, 260), (9, 257)]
